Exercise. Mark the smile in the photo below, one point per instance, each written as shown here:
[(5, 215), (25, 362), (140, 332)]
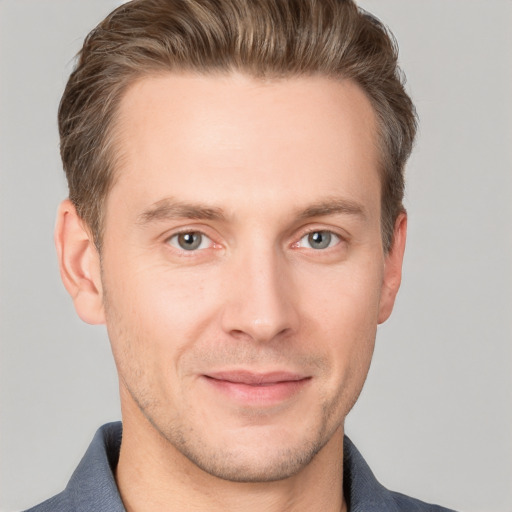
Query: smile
[(257, 389)]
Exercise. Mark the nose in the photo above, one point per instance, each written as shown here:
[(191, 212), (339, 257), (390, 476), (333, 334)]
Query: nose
[(259, 295)]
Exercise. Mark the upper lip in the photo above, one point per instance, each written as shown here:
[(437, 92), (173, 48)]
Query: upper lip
[(255, 378)]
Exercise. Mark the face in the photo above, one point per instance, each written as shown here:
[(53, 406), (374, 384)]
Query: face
[(243, 272)]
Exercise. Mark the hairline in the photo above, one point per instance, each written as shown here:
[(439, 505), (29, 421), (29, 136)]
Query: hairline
[(110, 146)]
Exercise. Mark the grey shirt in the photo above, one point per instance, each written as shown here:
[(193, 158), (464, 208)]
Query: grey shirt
[(92, 487)]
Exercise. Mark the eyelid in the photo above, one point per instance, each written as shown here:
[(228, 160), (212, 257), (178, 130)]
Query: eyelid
[(338, 232), (189, 229), (341, 236), (337, 239), (204, 239)]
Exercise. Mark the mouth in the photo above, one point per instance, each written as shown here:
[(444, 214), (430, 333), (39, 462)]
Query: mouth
[(258, 389)]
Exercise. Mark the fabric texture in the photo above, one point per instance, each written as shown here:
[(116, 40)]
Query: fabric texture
[(92, 487)]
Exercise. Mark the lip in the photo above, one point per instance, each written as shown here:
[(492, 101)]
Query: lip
[(257, 389)]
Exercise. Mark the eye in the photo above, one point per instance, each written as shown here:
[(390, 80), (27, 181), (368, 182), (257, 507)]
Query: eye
[(319, 240), (190, 241)]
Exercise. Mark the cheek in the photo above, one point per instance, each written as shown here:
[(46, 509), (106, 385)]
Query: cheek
[(348, 293), (344, 312), (156, 314)]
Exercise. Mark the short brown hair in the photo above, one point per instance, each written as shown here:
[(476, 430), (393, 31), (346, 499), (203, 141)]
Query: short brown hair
[(264, 38)]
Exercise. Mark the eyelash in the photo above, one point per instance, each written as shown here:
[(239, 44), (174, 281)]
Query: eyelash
[(296, 245), (312, 231), (189, 232)]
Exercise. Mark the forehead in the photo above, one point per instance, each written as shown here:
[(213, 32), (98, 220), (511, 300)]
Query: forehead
[(192, 134)]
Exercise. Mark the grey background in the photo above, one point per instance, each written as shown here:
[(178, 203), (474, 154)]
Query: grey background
[(435, 418)]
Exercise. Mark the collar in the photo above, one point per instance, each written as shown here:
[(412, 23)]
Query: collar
[(92, 486)]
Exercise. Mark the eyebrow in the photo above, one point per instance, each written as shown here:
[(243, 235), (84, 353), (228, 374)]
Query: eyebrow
[(333, 206), (170, 209)]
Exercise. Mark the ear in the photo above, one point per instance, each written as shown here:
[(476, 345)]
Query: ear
[(393, 269), (79, 263)]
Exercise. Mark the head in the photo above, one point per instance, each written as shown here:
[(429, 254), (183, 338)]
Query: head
[(235, 172)]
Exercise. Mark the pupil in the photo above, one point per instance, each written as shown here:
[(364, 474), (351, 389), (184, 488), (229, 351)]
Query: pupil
[(320, 239), (189, 241)]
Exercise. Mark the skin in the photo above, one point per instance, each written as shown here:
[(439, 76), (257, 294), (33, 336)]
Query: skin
[(258, 172)]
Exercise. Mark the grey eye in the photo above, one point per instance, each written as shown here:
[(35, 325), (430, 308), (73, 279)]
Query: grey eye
[(319, 240), (189, 241)]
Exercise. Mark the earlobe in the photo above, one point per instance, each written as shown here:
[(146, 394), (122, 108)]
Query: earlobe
[(79, 264), (393, 269)]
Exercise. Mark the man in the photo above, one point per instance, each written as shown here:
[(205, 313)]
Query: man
[(235, 219)]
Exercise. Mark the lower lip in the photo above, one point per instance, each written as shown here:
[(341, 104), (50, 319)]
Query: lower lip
[(262, 394)]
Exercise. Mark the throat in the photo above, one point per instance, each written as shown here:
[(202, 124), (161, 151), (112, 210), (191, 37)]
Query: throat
[(153, 475)]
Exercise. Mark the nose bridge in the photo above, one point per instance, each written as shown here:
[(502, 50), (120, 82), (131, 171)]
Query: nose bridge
[(259, 300)]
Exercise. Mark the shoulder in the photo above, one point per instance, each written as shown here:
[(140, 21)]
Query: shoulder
[(59, 503), (92, 486), (407, 504), (365, 493)]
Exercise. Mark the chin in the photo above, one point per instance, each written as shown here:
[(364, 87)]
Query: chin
[(262, 456), (253, 468)]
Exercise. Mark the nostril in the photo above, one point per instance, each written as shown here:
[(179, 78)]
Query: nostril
[(262, 333)]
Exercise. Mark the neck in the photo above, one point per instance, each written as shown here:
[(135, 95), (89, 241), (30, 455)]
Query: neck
[(152, 475)]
